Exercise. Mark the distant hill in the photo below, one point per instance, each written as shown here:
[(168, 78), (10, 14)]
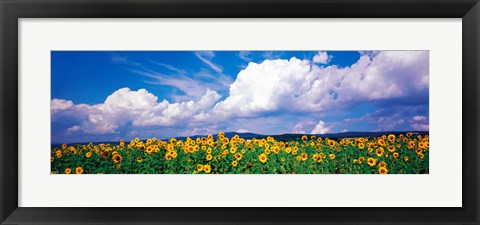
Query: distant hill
[(353, 134), (227, 134), (285, 137)]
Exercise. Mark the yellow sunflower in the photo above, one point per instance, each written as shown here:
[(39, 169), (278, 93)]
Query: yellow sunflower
[(207, 168), (381, 142), (263, 158), (238, 156), (361, 160), (332, 156), (391, 137), (323, 155), (391, 148), (88, 154), (304, 156), (361, 145), (382, 170), (267, 151), (379, 152), (199, 167), (276, 149), (105, 154), (117, 158), (371, 161), (209, 157), (234, 163), (139, 159), (382, 164), (149, 150), (68, 171), (58, 153), (331, 142), (79, 170)]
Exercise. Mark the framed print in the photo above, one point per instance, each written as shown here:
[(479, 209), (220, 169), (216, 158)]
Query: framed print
[(239, 112)]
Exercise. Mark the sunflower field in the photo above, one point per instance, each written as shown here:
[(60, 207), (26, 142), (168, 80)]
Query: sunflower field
[(387, 154)]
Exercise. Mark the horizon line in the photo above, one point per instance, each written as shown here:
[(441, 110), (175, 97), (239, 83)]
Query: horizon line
[(199, 135)]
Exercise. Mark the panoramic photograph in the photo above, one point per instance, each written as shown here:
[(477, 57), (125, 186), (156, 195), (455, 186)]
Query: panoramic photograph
[(239, 112)]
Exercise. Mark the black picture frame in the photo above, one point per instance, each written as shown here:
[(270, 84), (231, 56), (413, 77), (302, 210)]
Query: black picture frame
[(12, 10)]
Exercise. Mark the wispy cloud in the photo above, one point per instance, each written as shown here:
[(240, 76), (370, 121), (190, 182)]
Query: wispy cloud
[(119, 59), (246, 55), (192, 84), (206, 57), (221, 79), (194, 89), (273, 55), (169, 67)]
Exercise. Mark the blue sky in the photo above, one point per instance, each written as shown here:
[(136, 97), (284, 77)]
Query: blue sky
[(107, 96)]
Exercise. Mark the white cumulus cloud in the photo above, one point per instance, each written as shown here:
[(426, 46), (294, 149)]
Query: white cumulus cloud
[(200, 131), (73, 129), (301, 86), (420, 127), (321, 58), (420, 123), (242, 131), (298, 129), (265, 87), (320, 128), (60, 104), (419, 118), (136, 108)]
